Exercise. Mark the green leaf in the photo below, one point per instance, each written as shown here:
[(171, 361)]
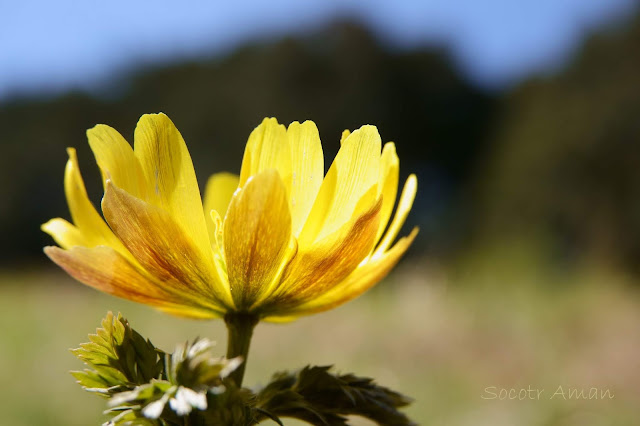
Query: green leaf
[(146, 386), (118, 357), (317, 396), (194, 366), (235, 406), (130, 417)]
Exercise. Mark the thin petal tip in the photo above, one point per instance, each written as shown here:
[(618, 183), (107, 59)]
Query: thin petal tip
[(46, 226), (50, 251), (389, 146), (71, 152)]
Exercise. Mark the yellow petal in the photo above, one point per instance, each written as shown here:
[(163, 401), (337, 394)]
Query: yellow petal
[(389, 170), (404, 206), (64, 233), (188, 311), (163, 249), (316, 269), (267, 148), (106, 270), (85, 217), (307, 170), (171, 181), (359, 281), (217, 195), (354, 171), (116, 160), (344, 136), (257, 234)]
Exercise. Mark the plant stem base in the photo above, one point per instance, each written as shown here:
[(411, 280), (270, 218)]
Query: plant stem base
[(240, 329)]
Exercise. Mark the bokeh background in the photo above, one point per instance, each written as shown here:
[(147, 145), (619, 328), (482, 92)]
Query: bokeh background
[(521, 120)]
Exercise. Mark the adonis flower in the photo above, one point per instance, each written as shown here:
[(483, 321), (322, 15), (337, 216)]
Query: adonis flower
[(279, 241)]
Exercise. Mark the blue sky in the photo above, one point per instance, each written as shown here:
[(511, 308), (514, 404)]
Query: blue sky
[(57, 45)]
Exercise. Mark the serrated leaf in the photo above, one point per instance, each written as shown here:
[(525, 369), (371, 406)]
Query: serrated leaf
[(90, 379), (146, 386), (317, 396), (130, 417), (118, 357)]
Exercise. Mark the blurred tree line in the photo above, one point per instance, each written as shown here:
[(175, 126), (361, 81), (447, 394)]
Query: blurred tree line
[(556, 157), (563, 165)]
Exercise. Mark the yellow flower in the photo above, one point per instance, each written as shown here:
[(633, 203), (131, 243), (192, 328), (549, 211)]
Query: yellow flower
[(276, 242)]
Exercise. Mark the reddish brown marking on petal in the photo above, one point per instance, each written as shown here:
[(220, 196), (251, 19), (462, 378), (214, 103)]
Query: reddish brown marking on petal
[(161, 246), (257, 233), (363, 278), (314, 272), (106, 270)]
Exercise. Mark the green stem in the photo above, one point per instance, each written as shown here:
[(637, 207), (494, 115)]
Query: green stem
[(240, 328)]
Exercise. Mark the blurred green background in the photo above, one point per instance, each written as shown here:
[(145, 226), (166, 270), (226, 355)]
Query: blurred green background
[(525, 273)]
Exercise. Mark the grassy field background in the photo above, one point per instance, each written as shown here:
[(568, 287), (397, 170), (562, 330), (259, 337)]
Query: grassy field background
[(440, 337)]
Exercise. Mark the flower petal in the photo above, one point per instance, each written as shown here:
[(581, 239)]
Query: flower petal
[(344, 136), (163, 249), (116, 160), (64, 233), (217, 196), (354, 171), (168, 170), (404, 206), (267, 148), (85, 217), (358, 282), (257, 237), (307, 170), (106, 270), (389, 170), (316, 269)]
